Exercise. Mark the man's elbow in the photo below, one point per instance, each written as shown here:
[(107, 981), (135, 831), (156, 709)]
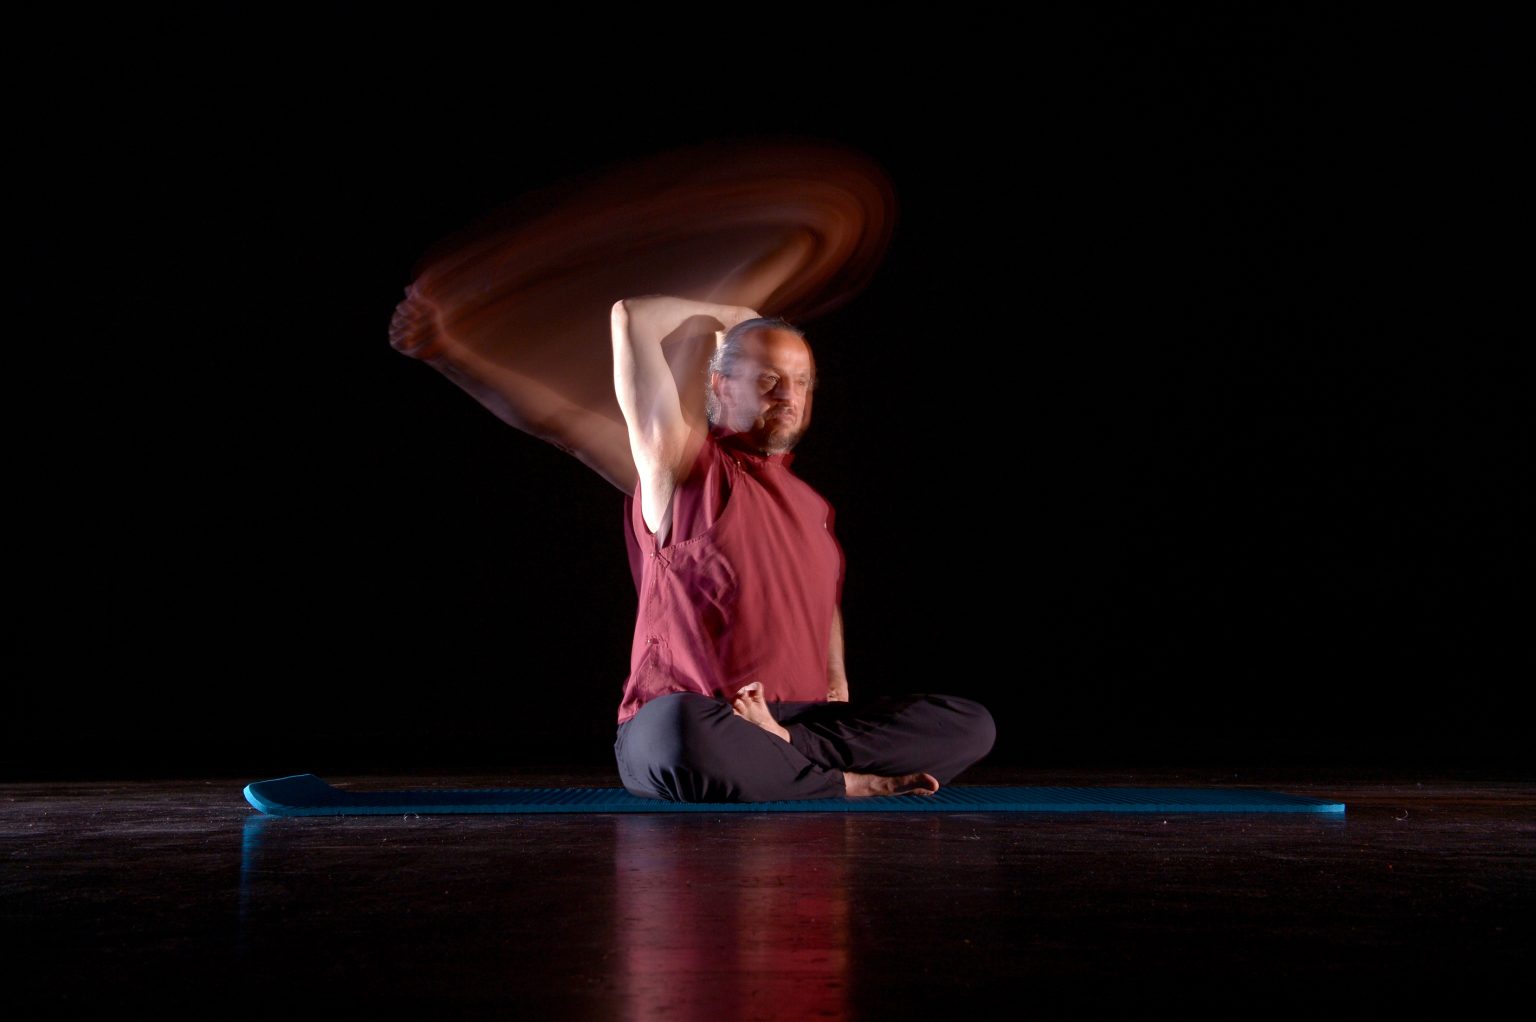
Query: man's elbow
[(618, 322)]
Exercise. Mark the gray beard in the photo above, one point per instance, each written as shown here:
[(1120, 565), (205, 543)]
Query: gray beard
[(783, 443)]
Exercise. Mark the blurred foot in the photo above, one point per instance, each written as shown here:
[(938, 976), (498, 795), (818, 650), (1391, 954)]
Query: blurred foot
[(859, 785)]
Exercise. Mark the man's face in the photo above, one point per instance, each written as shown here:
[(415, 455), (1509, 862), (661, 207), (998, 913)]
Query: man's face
[(768, 396)]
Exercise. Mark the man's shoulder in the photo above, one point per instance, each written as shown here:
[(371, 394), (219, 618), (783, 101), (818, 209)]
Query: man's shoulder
[(706, 461)]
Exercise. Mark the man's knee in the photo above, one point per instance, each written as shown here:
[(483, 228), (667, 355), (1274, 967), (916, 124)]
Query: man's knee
[(968, 731), (658, 733), (660, 748), (975, 721)]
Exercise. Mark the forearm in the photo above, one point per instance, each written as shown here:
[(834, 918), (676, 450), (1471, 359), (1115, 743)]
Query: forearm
[(647, 333), (656, 318)]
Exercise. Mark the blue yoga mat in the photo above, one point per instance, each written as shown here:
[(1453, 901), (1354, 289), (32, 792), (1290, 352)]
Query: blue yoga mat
[(308, 795)]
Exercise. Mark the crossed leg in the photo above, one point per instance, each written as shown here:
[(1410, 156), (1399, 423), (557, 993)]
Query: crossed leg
[(692, 748), (750, 704)]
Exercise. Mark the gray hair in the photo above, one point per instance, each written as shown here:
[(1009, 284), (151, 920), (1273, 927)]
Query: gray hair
[(726, 357)]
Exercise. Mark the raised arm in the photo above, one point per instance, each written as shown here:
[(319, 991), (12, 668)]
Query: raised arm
[(660, 345)]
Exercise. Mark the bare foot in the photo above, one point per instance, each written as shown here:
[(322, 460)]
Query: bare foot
[(875, 784), (749, 703)]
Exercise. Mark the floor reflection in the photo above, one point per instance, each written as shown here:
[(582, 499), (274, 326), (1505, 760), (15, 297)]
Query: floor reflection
[(801, 916), (765, 934), (252, 837)]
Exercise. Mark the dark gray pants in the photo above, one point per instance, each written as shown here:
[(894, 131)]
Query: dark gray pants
[(691, 748)]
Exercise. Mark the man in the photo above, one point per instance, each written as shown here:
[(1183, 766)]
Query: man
[(737, 690)]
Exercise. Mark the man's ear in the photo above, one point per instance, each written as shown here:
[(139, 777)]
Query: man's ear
[(712, 392)]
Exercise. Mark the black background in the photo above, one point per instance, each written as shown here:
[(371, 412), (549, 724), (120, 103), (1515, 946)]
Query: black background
[(1182, 423)]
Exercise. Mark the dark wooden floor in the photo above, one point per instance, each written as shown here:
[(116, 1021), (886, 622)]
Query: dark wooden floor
[(177, 898)]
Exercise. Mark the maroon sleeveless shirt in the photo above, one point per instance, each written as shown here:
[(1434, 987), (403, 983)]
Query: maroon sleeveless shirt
[(744, 589)]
